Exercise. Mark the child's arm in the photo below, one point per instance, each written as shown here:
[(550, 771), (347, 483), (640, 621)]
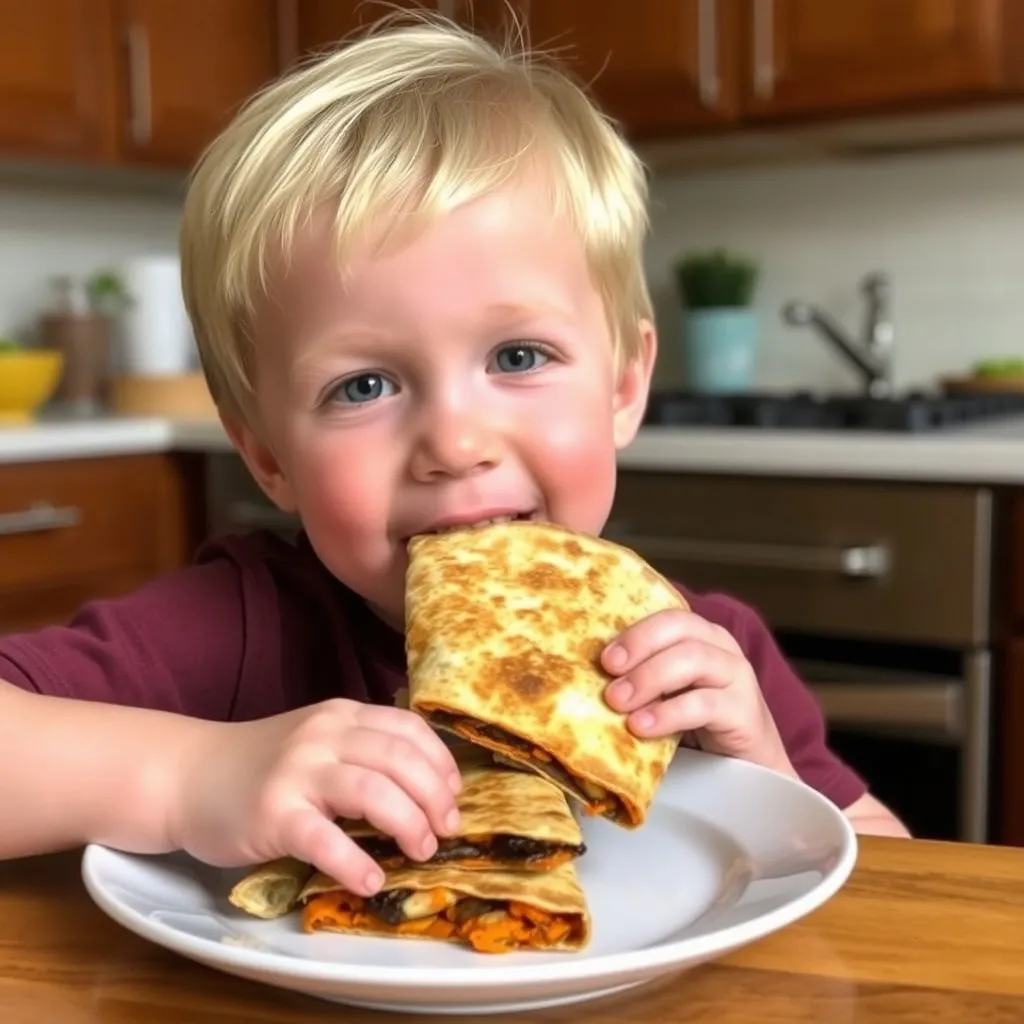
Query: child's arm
[(74, 771), (870, 817)]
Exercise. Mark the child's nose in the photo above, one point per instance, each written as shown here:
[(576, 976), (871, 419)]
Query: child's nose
[(455, 442)]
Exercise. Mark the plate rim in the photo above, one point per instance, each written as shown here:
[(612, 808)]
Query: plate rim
[(646, 960)]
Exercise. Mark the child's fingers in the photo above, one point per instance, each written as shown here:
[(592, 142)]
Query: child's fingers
[(671, 670), (695, 709), (352, 791), (414, 728), (311, 838), (657, 632), (410, 769)]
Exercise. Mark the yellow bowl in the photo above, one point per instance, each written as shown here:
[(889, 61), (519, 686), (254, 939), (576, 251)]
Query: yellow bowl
[(28, 377)]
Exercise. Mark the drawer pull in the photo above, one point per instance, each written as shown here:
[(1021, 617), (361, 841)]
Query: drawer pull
[(862, 561), (39, 517)]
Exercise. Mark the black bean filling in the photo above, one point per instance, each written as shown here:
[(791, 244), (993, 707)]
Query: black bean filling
[(552, 769), (520, 849), (387, 906)]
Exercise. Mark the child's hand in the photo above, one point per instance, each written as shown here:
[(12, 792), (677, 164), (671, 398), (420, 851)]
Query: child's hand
[(678, 673), (253, 791)]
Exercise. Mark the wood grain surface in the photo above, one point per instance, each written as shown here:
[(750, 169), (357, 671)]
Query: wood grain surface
[(922, 932)]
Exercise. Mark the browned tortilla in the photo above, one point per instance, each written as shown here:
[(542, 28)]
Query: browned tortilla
[(505, 625), (504, 812), (547, 909)]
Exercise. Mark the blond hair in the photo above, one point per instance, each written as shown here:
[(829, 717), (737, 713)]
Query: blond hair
[(415, 118)]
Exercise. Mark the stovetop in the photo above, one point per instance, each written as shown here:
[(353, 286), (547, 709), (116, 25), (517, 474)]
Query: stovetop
[(909, 412)]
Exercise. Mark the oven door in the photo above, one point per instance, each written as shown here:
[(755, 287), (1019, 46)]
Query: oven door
[(920, 740)]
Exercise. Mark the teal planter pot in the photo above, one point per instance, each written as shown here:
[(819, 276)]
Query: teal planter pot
[(720, 348)]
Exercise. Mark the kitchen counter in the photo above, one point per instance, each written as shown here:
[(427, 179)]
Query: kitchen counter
[(991, 453), (921, 931)]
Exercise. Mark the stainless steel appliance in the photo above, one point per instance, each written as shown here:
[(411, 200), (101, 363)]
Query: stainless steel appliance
[(879, 596)]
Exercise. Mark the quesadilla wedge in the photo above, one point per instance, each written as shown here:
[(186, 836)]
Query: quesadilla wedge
[(511, 820), (505, 625), (490, 911), (272, 889)]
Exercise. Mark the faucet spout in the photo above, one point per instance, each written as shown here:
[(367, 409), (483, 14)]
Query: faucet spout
[(871, 358)]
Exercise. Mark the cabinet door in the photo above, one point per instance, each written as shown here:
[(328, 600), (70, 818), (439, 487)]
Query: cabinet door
[(56, 78), (186, 68), (322, 24), (808, 57), (660, 67)]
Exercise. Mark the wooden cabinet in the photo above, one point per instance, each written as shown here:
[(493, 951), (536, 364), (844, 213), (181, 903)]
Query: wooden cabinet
[(322, 24), (807, 57), (683, 67), (150, 81), (87, 528), (658, 68), (56, 78), (186, 67), (129, 81)]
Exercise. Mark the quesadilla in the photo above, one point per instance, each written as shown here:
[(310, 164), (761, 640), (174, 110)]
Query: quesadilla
[(490, 911), (272, 889), (505, 626), (511, 820)]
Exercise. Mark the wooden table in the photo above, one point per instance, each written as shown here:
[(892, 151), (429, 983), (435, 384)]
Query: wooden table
[(922, 932)]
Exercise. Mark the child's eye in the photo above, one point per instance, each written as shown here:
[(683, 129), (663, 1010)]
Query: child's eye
[(363, 388), (519, 358)]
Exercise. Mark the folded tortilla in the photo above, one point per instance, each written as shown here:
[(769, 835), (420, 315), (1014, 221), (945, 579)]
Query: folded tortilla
[(505, 625), (490, 911), (511, 820), (272, 889)]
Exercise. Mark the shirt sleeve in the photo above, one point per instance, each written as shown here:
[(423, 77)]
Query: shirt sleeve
[(176, 644), (797, 715)]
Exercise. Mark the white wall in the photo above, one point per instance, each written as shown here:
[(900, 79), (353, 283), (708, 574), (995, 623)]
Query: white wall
[(949, 227), (58, 228)]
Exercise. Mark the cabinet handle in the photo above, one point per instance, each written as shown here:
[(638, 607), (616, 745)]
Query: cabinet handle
[(140, 105), (39, 517), (708, 82), (860, 561), (764, 48)]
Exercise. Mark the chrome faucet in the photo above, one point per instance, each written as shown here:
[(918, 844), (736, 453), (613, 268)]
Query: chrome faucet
[(873, 356)]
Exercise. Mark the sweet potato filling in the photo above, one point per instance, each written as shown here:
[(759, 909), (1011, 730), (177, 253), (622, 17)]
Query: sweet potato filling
[(596, 800), (489, 926)]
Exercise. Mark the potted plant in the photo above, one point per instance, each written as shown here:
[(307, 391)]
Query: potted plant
[(720, 329)]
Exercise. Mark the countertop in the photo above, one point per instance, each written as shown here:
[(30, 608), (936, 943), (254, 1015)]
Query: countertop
[(990, 453), (921, 931)]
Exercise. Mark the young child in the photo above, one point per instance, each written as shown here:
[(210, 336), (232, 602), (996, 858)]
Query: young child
[(414, 272)]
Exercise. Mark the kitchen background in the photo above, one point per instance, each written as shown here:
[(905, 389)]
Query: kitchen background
[(947, 226), (824, 142)]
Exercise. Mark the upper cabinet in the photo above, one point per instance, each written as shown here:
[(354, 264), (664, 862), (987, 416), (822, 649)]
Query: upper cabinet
[(56, 78), (658, 67), (150, 82), (808, 57), (185, 68), (683, 67)]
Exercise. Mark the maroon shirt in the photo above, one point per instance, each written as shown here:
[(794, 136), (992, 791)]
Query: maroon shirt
[(258, 626)]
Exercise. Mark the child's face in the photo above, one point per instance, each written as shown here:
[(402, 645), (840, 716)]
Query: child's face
[(465, 375)]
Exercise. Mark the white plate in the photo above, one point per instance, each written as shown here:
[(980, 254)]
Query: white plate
[(730, 853)]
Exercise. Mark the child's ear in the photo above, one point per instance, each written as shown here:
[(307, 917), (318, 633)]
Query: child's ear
[(261, 462), (633, 386)]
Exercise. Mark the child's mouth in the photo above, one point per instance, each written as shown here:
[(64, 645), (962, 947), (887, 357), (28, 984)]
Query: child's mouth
[(533, 515)]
